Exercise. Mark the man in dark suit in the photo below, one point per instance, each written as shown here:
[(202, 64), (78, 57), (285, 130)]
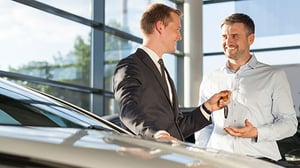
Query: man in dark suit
[(146, 93)]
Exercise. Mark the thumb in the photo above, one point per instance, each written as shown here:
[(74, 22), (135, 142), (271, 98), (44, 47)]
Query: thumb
[(247, 123)]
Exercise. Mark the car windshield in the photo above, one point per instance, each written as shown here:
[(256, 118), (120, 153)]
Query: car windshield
[(21, 106)]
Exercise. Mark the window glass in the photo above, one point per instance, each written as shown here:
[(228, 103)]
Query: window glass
[(212, 17), (272, 19), (111, 106), (282, 57), (78, 7), (43, 45), (273, 29), (7, 119), (115, 49), (78, 98)]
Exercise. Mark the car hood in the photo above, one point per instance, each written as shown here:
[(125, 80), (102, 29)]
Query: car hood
[(94, 148)]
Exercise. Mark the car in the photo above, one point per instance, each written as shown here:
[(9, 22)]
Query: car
[(289, 147), (25, 107), (53, 147), (28, 107)]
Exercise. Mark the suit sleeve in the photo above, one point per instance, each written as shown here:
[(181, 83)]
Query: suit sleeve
[(190, 122), (128, 90)]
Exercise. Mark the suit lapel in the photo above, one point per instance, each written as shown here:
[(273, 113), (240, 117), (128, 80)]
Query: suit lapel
[(150, 64)]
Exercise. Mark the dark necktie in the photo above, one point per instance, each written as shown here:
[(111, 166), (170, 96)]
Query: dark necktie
[(162, 69)]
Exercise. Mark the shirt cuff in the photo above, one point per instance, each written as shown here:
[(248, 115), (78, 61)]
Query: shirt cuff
[(206, 113)]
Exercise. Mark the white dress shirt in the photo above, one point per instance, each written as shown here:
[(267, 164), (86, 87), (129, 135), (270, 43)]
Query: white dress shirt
[(261, 94)]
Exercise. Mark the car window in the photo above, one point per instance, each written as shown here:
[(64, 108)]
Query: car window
[(21, 106), (24, 112), (7, 119)]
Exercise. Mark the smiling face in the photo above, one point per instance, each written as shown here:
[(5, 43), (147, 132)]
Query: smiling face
[(171, 33), (236, 41), (160, 26)]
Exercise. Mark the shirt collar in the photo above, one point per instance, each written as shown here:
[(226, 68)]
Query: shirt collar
[(250, 64), (154, 57)]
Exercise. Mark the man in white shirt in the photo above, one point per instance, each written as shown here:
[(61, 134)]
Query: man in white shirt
[(261, 109)]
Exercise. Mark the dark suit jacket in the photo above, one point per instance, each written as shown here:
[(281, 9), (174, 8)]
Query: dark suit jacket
[(144, 105)]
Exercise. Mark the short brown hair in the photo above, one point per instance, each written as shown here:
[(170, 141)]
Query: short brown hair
[(156, 12), (240, 18)]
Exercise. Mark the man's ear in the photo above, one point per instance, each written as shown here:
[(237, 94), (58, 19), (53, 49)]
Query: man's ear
[(251, 38), (159, 26)]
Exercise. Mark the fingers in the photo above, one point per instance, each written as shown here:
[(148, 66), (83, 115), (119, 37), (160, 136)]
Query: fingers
[(218, 100), (245, 132), (248, 123), (224, 97), (230, 130), (162, 135)]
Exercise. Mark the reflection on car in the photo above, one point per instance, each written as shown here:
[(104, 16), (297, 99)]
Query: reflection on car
[(80, 147)]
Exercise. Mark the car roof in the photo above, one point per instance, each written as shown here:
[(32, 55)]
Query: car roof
[(94, 148)]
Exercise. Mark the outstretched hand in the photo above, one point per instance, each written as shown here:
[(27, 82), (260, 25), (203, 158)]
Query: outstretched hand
[(218, 100), (249, 131)]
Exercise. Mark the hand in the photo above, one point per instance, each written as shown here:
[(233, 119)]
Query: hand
[(249, 131), (165, 136), (218, 100)]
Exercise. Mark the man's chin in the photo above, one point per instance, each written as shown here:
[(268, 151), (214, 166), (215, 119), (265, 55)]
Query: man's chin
[(230, 53), (172, 51)]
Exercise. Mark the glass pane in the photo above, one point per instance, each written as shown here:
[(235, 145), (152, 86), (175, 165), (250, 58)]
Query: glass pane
[(77, 98), (79, 7), (115, 49), (273, 29), (43, 45), (213, 14), (111, 106), (283, 57), (125, 14)]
